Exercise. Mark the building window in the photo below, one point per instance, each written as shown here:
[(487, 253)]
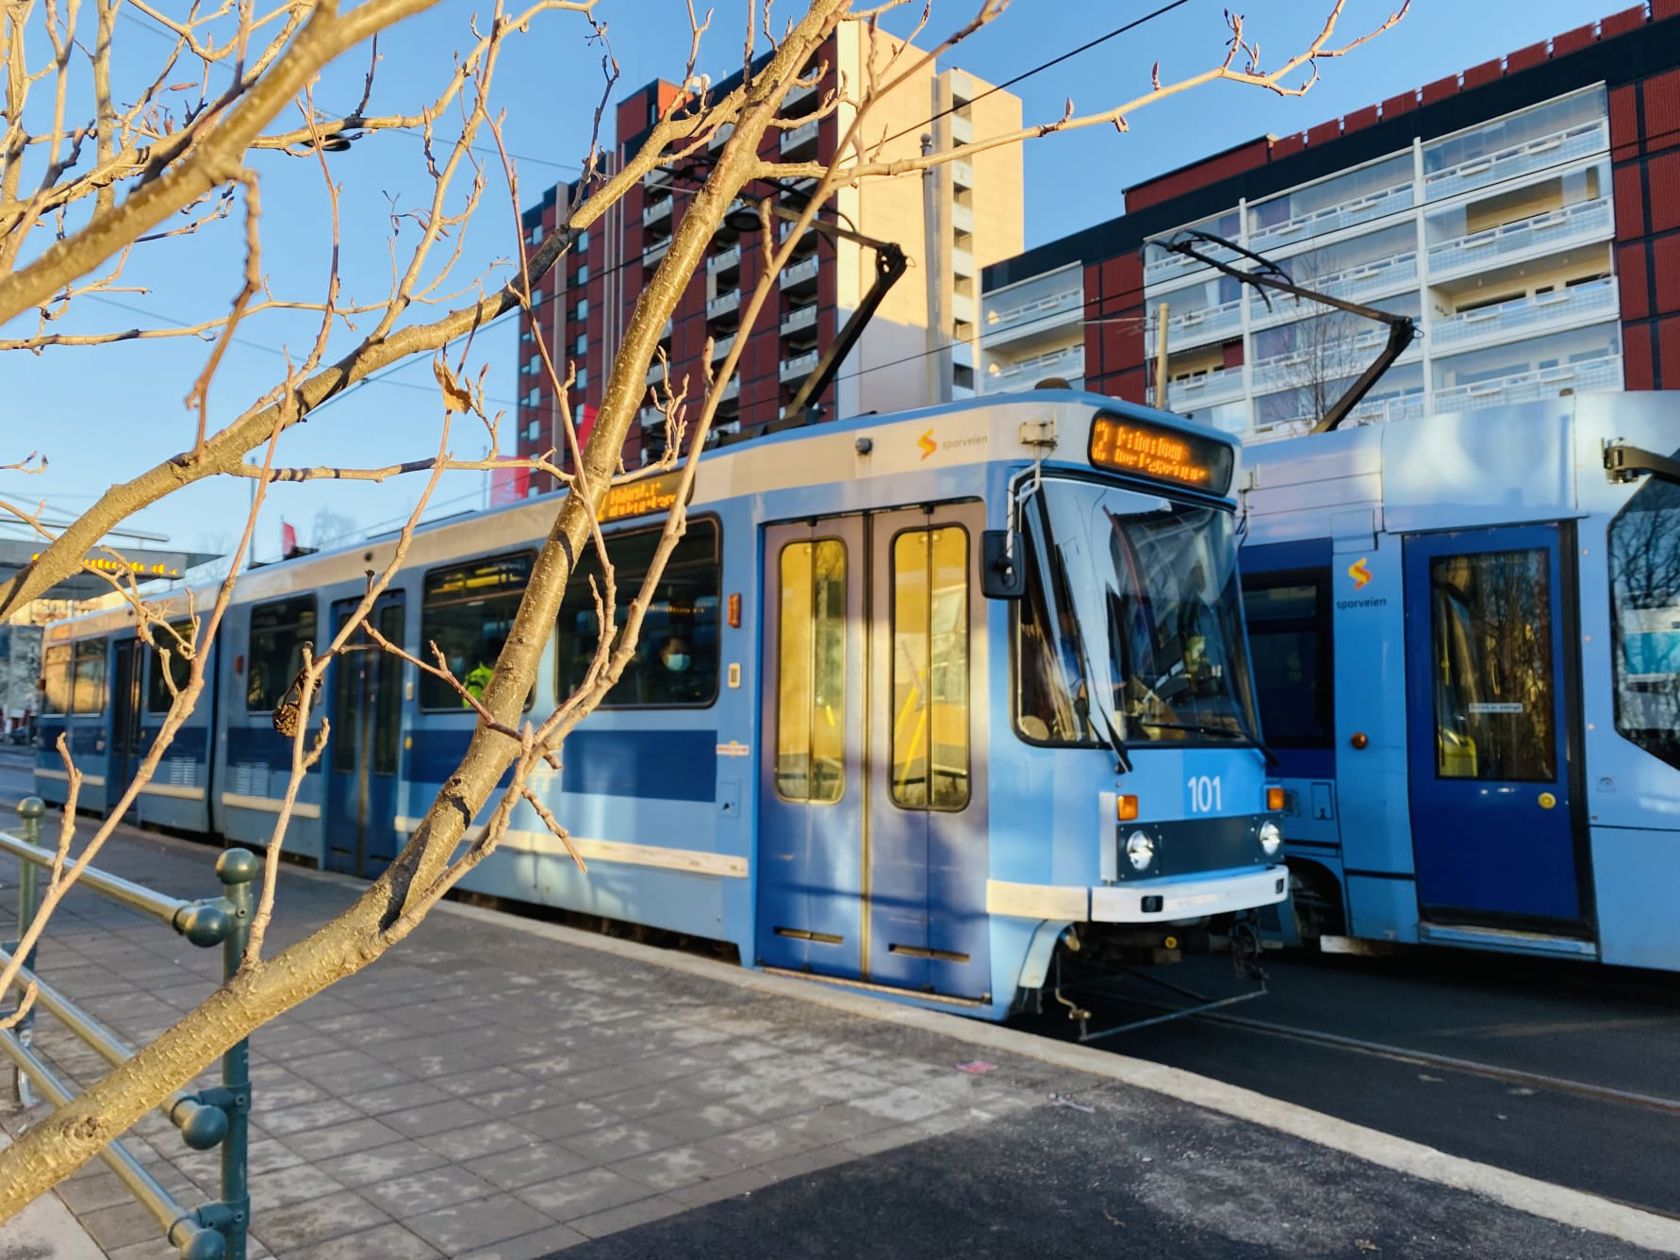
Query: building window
[(88, 692), (535, 235), (536, 297), (1645, 618), (1288, 635), (527, 336), (811, 672), (55, 677), (533, 430), (583, 273), (532, 365), (580, 312), (533, 397), (929, 735), (582, 378), (468, 612), (676, 659), (583, 240), (279, 633), (581, 344), (158, 695)]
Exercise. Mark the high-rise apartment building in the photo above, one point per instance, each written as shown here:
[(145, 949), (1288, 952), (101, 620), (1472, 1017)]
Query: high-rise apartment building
[(921, 344), (1525, 212)]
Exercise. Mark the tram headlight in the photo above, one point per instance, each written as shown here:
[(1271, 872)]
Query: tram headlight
[(1140, 850), (1271, 838)]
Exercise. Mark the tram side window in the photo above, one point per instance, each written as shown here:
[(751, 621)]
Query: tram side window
[(1645, 618), (55, 675), (88, 691), (468, 612), (930, 724), (1291, 645), (811, 665), (676, 660), (278, 634), (158, 695)]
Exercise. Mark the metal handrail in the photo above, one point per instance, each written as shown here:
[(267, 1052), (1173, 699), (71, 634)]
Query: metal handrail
[(207, 1117)]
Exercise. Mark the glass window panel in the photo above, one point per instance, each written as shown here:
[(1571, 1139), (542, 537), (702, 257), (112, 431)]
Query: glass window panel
[(88, 691), (468, 612), (676, 659), (811, 691), (387, 705), (278, 634), (1645, 618), (1491, 639), (347, 693), (55, 674), (1291, 663), (930, 723), (158, 695)]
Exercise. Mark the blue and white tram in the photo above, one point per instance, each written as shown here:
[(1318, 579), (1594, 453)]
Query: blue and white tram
[(916, 696), (1466, 636)]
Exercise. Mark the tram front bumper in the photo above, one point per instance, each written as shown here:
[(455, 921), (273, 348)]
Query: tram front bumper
[(1141, 901)]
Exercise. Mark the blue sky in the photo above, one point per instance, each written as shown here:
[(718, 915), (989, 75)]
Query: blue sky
[(102, 415)]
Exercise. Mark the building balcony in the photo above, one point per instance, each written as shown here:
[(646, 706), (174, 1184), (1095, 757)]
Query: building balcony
[(658, 177), (1205, 390), (1065, 361), (1356, 284), (651, 418), (653, 253), (1333, 358), (1601, 373), (722, 346), (962, 354), (799, 365), (795, 274), (1544, 153), (727, 260), (800, 137), (655, 373), (723, 304), (962, 129), (799, 191), (721, 136), (1194, 328), (1331, 218), (962, 308), (962, 218), (798, 94), (1037, 309), (1556, 230), (656, 210), (1527, 316), (962, 174), (799, 317), (731, 389), (962, 262)]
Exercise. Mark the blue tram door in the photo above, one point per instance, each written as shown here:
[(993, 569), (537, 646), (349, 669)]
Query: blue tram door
[(1488, 735), (126, 742), (364, 753), (872, 838)]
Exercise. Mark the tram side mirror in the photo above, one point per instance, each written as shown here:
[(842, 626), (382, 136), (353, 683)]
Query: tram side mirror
[(1003, 574)]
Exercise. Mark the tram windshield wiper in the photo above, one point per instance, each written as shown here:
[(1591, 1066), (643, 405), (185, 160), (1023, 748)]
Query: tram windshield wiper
[(1224, 731)]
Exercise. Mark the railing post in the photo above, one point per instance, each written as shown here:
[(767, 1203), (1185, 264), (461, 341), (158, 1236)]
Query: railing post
[(237, 868), (30, 810)]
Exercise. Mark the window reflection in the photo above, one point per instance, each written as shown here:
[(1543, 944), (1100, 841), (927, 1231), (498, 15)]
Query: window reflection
[(930, 668), (811, 691), (1645, 618)]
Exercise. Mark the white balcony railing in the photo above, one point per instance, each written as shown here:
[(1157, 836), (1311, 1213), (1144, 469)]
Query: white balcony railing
[(655, 373), (722, 346), (1601, 373), (1160, 266), (1525, 316), (1330, 218), (962, 174), (962, 218), (1193, 328), (1334, 357), (962, 129), (799, 317), (962, 262), (1559, 229), (799, 364), (653, 253), (720, 137), (723, 303), (1366, 280), (1219, 385), (730, 257), (798, 94), (1068, 361), (656, 210), (1567, 145), (962, 354), (1036, 315), (658, 177), (797, 137), (799, 272), (650, 417), (731, 389), (962, 308)]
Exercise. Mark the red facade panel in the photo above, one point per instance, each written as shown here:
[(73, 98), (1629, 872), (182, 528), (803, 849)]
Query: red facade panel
[(1102, 281), (1662, 110), (1440, 89), (1574, 40), (1359, 118), (1133, 386), (1661, 9), (1487, 72), (1093, 351), (1524, 58), (1630, 203), (1233, 352), (1284, 146), (1401, 103), (1668, 349), (1621, 23), (1631, 278), (1325, 132), (1637, 368), (1663, 175), (1624, 123), (1666, 299)]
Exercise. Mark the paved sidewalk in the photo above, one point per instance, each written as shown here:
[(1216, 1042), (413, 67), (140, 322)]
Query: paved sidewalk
[(497, 1087)]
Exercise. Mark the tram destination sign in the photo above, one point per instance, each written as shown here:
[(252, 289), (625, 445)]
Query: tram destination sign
[(640, 497), (1123, 445)]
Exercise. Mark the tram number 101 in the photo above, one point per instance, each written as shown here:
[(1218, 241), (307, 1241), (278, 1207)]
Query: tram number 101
[(1207, 793)]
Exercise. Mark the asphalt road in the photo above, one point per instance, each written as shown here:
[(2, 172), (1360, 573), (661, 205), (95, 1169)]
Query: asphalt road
[(1595, 1026)]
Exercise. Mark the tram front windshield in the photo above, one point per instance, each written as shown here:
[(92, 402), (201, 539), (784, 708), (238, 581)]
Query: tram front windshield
[(1130, 630)]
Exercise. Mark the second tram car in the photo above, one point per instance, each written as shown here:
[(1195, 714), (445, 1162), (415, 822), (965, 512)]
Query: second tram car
[(917, 695), (1466, 631)]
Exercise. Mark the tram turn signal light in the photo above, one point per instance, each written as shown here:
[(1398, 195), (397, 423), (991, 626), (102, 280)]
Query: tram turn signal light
[(1274, 799), (1126, 808)]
